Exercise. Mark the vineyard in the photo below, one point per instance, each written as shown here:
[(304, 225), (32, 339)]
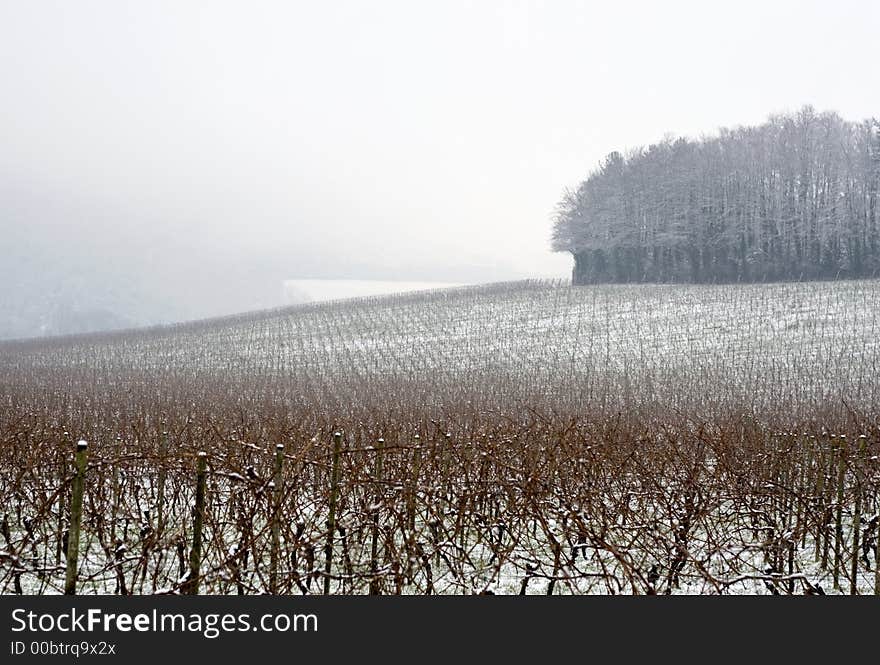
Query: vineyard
[(527, 437)]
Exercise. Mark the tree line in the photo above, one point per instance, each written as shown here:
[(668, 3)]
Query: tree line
[(792, 198)]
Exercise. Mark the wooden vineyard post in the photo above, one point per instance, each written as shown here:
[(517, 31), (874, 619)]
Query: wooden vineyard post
[(117, 488), (838, 512), (331, 514), (76, 502), (806, 466), (374, 515), (828, 501), (411, 493), (857, 516), (275, 497), (59, 534), (819, 493), (877, 557), (414, 484), (191, 586), (160, 492)]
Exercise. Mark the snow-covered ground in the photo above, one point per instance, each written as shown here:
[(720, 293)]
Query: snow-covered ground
[(462, 358), (297, 291), (701, 349)]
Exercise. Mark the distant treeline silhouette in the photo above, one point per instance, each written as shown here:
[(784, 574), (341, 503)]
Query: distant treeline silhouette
[(793, 198)]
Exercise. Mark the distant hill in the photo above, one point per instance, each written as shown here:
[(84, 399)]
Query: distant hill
[(763, 348), (299, 291)]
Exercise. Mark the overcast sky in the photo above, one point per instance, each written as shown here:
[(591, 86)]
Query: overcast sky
[(397, 132)]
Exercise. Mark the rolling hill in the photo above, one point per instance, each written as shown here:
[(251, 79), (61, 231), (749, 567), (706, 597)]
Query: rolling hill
[(526, 437)]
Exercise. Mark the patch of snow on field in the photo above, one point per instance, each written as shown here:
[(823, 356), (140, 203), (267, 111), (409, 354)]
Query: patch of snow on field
[(298, 291)]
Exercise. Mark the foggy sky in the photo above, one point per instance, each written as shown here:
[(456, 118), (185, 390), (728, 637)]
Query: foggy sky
[(381, 139)]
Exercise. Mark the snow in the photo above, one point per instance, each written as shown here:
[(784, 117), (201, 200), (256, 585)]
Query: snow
[(297, 291), (695, 348)]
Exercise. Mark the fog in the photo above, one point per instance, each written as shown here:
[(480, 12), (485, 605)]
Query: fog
[(162, 161)]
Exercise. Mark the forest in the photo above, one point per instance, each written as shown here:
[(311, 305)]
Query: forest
[(513, 438), (794, 198)]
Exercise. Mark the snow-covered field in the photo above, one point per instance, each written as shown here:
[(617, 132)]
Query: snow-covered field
[(609, 439), (798, 348), (299, 291)]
